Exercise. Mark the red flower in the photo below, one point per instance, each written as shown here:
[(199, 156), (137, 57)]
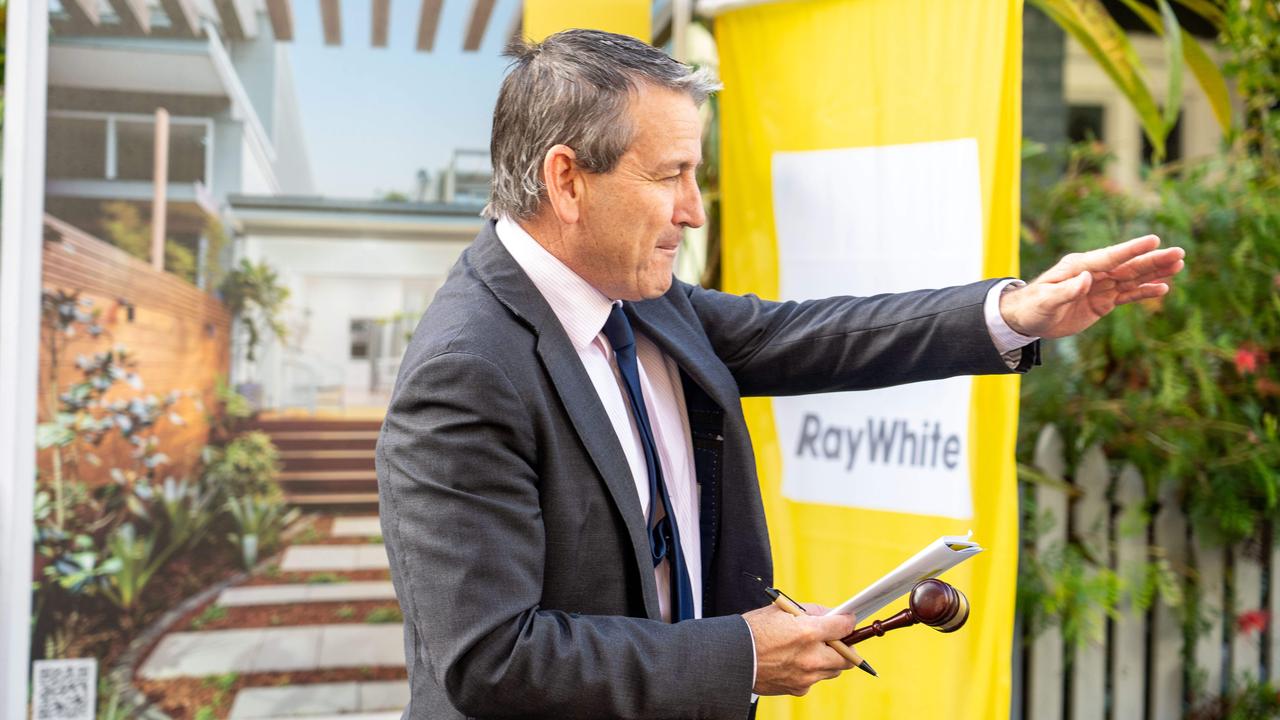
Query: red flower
[(1248, 357), (1252, 621)]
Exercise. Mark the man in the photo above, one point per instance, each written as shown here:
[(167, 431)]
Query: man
[(568, 490)]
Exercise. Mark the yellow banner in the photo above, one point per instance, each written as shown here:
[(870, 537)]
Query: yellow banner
[(908, 111), (625, 17)]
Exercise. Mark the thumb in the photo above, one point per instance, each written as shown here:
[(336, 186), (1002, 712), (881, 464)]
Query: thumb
[(1075, 288)]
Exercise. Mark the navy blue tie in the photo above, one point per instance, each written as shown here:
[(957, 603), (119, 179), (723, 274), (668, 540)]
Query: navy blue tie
[(664, 536)]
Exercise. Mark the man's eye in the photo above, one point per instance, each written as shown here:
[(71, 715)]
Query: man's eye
[(671, 177)]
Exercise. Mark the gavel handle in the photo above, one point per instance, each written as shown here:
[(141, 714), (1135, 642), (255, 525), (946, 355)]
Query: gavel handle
[(878, 628)]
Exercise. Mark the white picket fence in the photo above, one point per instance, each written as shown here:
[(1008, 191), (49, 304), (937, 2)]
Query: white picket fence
[(1138, 672)]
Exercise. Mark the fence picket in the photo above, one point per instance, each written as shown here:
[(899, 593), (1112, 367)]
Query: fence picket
[(1209, 568), (1167, 667), (1129, 635), (1273, 617), (1089, 525), (1045, 673), (1246, 647)]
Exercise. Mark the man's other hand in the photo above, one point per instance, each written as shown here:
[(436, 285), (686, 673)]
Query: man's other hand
[(1084, 287), (791, 651)]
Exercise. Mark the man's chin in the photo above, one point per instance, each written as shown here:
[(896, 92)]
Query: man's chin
[(659, 287)]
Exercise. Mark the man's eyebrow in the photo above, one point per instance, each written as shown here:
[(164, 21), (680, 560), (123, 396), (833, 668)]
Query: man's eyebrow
[(681, 165)]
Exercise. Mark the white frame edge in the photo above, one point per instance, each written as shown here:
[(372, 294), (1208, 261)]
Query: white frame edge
[(712, 8), (21, 245)]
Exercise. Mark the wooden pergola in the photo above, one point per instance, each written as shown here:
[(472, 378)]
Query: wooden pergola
[(239, 21)]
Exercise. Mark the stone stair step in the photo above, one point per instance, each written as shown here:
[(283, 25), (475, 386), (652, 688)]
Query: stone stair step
[(345, 701), (325, 440), (312, 461), (332, 499), (356, 526), (252, 595), (307, 476), (307, 558), (306, 422), (275, 649)]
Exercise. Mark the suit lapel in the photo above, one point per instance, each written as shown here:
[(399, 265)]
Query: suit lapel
[(708, 389), (500, 272), (673, 334)]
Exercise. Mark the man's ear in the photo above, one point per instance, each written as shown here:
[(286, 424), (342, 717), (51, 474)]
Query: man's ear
[(563, 179)]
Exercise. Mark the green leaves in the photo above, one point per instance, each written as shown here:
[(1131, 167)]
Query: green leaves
[(259, 521), (1188, 387), (253, 293), (1089, 23)]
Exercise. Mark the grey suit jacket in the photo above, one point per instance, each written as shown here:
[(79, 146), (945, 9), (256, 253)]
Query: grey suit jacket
[(516, 539)]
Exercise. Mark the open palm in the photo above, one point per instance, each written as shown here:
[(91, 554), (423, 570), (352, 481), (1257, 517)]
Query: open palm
[(1083, 287)]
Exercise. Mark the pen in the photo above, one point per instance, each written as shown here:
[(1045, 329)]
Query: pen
[(785, 603)]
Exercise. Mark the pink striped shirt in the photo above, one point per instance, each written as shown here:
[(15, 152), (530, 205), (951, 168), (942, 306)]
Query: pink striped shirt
[(582, 310)]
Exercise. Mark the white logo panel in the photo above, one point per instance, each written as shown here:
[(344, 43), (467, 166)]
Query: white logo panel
[(864, 221)]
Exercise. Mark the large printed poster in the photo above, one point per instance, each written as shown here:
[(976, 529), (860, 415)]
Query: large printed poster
[(872, 146)]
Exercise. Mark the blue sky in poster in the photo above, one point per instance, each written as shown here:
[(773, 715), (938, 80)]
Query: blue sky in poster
[(373, 116)]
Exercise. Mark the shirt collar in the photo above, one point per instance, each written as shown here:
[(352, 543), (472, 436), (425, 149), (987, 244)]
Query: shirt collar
[(581, 308)]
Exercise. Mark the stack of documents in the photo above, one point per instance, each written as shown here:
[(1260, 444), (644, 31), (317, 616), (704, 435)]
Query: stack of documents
[(936, 558)]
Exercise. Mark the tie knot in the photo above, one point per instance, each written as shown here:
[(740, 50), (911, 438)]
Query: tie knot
[(618, 330)]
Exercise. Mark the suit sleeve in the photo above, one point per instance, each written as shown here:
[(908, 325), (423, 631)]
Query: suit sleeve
[(851, 343), (456, 469)]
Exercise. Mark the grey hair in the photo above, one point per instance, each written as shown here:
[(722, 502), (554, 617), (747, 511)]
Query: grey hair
[(573, 88)]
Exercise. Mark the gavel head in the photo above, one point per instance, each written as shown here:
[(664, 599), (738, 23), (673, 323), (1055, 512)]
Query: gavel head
[(939, 605)]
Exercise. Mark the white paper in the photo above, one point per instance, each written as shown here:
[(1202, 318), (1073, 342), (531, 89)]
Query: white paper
[(936, 558)]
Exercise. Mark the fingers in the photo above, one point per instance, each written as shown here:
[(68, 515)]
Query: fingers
[(833, 627), (1160, 262), (814, 608), (1145, 291), (1109, 258)]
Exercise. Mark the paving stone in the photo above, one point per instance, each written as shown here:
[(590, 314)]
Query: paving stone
[(306, 558), (372, 556), (356, 527), (394, 715), (298, 593), (303, 558), (203, 653), (351, 591), (296, 701), (361, 645), (384, 695), (288, 648), (263, 595), (306, 647)]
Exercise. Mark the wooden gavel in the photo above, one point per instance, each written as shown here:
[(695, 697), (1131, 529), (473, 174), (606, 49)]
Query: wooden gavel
[(933, 603)]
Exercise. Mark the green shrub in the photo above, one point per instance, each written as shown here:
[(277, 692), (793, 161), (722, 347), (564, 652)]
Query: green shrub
[(1187, 388), (259, 519), (247, 466), (324, 578), (213, 613), (384, 615)]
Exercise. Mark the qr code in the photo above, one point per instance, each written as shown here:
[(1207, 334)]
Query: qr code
[(64, 689)]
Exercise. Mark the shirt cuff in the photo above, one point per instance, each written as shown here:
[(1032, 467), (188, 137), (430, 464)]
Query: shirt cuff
[(754, 662), (1008, 342)]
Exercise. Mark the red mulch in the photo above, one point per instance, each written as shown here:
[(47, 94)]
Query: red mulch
[(286, 578), (283, 615), (182, 698)]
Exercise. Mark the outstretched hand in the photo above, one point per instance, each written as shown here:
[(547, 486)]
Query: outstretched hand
[(1083, 287)]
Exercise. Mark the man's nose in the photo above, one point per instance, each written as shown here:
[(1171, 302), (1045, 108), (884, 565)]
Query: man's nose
[(689, 211)]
